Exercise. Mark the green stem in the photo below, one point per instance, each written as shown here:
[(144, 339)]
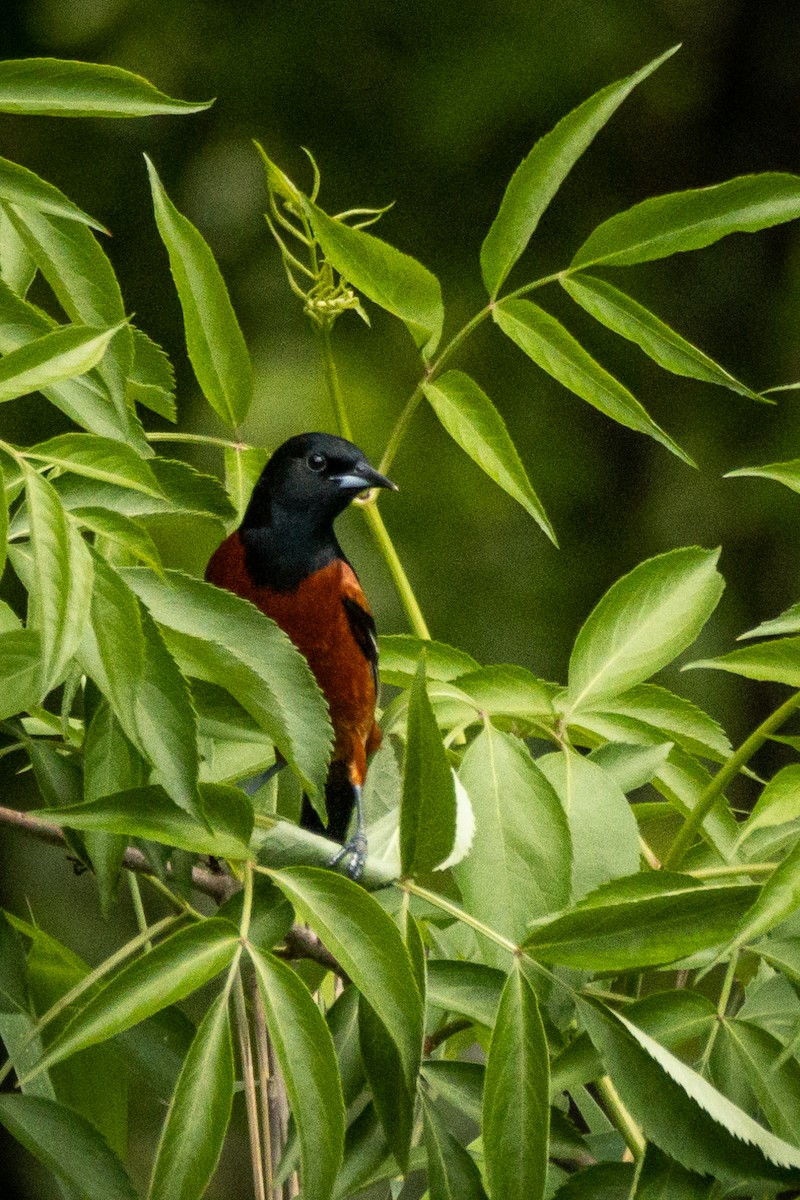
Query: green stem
[(731, 872), (454, 911), (247, 902), (399, 432), (686, 835), (634, 1138), (401, 582), (722, 1008), (249, 1085), (334, 386), (138, 908)]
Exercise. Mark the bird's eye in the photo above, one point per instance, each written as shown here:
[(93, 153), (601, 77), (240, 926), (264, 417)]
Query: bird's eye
[(317, 462)]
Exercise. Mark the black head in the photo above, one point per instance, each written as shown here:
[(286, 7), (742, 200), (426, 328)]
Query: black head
[(311, 479)]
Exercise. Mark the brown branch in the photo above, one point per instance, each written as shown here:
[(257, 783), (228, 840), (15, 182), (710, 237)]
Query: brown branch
[(302, 942)]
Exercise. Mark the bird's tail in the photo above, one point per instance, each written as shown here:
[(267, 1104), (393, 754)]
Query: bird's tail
[(340, 798)]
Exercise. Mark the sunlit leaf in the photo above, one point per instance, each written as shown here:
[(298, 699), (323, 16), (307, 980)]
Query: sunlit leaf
[(474, 423), (66, 352), (21, 683), (123, 532), (98, 458), (428, 809), (214, 340), (557, 352), (773, 662), (642, 623), (399, 655), (778, 803), (18, 185), (152, 378), (516, 1104), (195, 1124), (652, 714), (689, 220), (539, 176), (787, 622), (17, 268), (787, 473), (633, 321), (519, 866), (391, 279), (62, 88), (242, 469)]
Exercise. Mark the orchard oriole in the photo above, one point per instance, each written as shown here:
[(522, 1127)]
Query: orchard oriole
[(286, 560)]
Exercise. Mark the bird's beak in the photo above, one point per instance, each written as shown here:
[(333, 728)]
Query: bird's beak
[(363, 476)]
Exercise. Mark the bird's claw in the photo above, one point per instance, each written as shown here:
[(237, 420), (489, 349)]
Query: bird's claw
[(356, 851)]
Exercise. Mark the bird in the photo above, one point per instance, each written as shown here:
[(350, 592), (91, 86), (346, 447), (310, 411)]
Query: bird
[(285, 558)]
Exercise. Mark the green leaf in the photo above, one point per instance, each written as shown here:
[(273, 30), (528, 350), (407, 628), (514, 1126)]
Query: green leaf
[(778, 899), (516, 1104), (83, 280), (366, 1155), (655, 714), (17, 268), (778, 803), (787, 622), (663, 1179), (631, 767), (682, 1113), (393, 280), (62, 354), (3, 523), (369, 947), (185, 491), (644, 621), (18, 185), (557, 352), (124, 533), (772, 662), (474, 423), (98, 458), (305, 1052), (642, 921), (602, 827), (21, 683), (175, 968), (469, 988), (124, 654), (68, 1145), (243, 465), (459, 1083), (246, 653), (394, 1100), (55, 87), (14, 995), (631, 320), (539, 176), (61, 578), (683, 780), (84, 398), (666, 225), (399, 655), (428, 809), (195, 1124), (452, 1171), (519, 865), (774, 1079), (147, 812), (511, 693), (214, 340), (152, 378)]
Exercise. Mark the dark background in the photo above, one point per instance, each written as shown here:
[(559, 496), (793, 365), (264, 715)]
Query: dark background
[(433, 106)]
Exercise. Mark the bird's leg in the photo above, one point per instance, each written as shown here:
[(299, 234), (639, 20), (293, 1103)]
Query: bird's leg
[(252, 785), (356, 848)]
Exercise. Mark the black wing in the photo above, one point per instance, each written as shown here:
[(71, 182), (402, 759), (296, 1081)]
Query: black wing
[(362, 627)]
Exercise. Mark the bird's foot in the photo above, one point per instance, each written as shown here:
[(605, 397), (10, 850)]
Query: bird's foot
[(356, 851)]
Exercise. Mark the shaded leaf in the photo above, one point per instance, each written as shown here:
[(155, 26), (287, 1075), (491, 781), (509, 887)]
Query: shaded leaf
[(459, 1083), (692, 219), (774, 1079), (147, 812), (631, 767), (392, 1097), (539, 176), (21, 683), (214, 340), (469, 988), (305, 1051), (642, 623), (391, 279), (195, 1124), (123, 532), (778, 803), (641, 921), (175, 968), (476, 426), (368, 945), (18, 185), (682, 1113), (67, 1145), (516, 1105), (452, 1171), (242, 469), (633, 321), (557, 352), (62, 88), (428, 809)]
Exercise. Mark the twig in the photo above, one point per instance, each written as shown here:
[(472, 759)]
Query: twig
[(249, 1079)]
